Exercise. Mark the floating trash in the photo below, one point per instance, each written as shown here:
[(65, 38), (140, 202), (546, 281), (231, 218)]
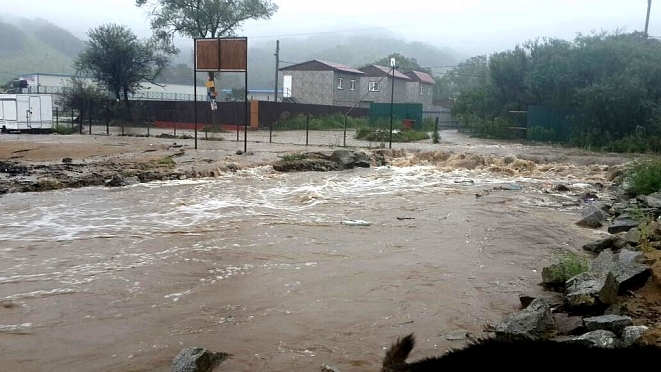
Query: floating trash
[(355, 223)]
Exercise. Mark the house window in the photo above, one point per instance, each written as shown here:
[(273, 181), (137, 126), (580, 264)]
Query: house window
[(421, 90), (339, 83), (374, 86), (353, 84), (429, 91)]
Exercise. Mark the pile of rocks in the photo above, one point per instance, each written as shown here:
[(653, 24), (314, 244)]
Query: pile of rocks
[(338, 160), (584, 308)]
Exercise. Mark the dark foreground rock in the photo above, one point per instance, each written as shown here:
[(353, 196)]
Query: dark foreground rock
[(118, 180), (612, 323), (592, 217), (600, 338), (623, 223), (554, 299), (569, 325), (533, 323), (197, 359)]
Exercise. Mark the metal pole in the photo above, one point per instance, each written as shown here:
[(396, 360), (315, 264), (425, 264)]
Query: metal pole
[(107, 118), (90, 117), (195, 87), (80, 127), (392, 99), (345, 131), (307, 128), (245, 126), (175, 122), (647, 20), (277, 66), (57, 117)]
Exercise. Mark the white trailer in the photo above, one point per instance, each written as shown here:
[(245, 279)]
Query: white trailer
[(32, 113)]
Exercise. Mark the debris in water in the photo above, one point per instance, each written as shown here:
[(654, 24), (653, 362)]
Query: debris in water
[(515, 186), (405, 218), (355, 223), (465, 182)]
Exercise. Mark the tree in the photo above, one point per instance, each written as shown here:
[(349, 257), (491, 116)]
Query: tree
[(77, 94), (404, 64), (236, 95), (203, 18), (468, 75), (119, 62)]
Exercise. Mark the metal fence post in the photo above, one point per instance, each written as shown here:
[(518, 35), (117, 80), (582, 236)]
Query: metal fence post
[(307, 128), (107, 118), (80, 126), (57, 117), (90, 117), (175, 122)]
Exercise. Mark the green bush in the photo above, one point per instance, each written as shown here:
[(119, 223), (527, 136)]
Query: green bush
[(334, 121), (380, 135), (65, 129), (541, 134), (294, 156), (645, 178), (569, 266)]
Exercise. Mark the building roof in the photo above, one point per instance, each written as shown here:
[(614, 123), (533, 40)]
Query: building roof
[(422, 77), (376, 70), (319, 65)]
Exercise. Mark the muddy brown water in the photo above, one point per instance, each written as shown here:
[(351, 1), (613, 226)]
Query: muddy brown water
[(259, 264)]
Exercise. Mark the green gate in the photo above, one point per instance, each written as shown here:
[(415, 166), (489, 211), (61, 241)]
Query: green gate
[(549, 123), (380, 115)]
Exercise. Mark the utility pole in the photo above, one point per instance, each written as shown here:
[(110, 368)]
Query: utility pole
[(392, 97), (277, 66), (647, 20)]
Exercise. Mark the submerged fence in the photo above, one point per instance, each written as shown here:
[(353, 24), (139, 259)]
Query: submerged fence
[(272, 122)]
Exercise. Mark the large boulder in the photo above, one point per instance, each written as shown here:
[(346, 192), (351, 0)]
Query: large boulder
[(344, 157), (554, 299), (625, 265), (118, 180), (600, 338), (361, 160), (197, 359), (613, 323), (554, 275), (592, 217), (591, 290), (533, 323), (610, 242)]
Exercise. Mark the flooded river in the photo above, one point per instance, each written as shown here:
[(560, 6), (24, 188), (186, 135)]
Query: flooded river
[(259, 265)]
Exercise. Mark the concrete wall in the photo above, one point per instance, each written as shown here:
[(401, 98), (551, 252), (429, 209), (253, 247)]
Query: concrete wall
[(413, 94), (346, 96), (313, 87), (385, 87)]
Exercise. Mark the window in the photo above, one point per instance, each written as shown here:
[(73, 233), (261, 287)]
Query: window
[(339, 83), (353, 84), (421, 89), (429, 91), (374, 86)]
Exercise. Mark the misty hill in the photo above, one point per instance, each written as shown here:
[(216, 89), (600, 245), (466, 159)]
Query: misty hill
[(28, 46)]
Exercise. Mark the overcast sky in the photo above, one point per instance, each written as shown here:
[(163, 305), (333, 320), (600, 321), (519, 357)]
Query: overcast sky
[(468, 26)]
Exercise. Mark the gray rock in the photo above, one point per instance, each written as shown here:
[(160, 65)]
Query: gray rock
[(600, 338), (652, 200), (304, 165), (533, 323), (118, 180), (562, 188), (67, 160), (625, 266), (554, 299), (611, 242), (613, 323), (623, 223), (197, 359), (344, 157), (593, 217), (328, 368), (361, 160), (569, 325), (616, 309), (619, 208), (632, 236), (631, 334), (589, 290), (457, 335)]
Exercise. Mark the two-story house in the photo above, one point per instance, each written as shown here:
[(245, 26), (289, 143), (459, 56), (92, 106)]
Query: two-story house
[(420, 89), (322, 83), (327, 83)]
